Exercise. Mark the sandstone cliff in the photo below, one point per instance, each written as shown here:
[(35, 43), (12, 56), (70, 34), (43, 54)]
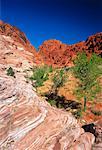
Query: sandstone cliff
[(56, 53)]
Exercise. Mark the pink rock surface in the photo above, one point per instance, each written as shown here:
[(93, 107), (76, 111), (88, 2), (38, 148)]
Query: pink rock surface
[(28, 122)]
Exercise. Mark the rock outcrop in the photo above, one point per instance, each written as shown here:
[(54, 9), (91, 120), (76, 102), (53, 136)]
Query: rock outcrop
[(27, 121), (94, 43), (55, 53), (58, 54), (12, 32)]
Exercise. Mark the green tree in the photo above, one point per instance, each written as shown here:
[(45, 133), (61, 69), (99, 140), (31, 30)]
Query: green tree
[(40, 74), (87, 70), (58, 80)]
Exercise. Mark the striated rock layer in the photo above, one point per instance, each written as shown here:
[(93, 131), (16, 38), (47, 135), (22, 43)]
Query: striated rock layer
[(19, 37), (26, 121)]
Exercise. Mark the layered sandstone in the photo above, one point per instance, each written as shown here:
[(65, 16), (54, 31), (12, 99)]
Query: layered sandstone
[(27, 121), (12, 32)]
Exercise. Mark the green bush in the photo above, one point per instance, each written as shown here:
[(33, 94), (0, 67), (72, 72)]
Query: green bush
[(40, 74), (58, 79), (87, 71), (50, 69), (78, 114), (10, 72), (52, 102)]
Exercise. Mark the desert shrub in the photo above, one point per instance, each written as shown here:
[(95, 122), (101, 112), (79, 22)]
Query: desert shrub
[(87, 70), (52, 102), (40, 74), (50, 69), (78, 113), (10, 72), (58, 79)]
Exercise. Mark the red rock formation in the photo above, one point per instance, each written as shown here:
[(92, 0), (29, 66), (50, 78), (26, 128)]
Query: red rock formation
[(53, 53), (94, 43), (20, 38), (58, 54), (15, 34), (27, 121)]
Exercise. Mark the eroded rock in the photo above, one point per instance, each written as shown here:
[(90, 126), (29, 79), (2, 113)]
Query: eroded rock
[(56, 53)]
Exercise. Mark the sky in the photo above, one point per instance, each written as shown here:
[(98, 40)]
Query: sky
[(70, 21)]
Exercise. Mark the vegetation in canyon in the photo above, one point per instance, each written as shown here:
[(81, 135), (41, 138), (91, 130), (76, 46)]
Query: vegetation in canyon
[(40, 74), (87, 71)]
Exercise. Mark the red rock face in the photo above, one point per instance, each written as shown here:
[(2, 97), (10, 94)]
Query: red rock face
[(53, 53), (19, 38), (58, 54), (14, 33), (94, 43)]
